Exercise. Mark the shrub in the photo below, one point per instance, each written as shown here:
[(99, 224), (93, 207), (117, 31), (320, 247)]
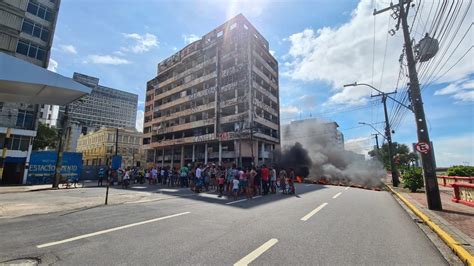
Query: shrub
[(461, 170), (413, 178)]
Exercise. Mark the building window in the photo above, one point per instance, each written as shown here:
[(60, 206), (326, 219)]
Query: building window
[(40, 11), (20, 143), (25, 119), (30, 50)]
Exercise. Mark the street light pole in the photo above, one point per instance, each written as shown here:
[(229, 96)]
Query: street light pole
[(388, 133)]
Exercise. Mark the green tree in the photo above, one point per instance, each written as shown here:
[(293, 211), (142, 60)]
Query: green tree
[(461, 170), (402, 155), (45, 137)]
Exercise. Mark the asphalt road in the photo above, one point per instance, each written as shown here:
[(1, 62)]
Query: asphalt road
[(321, 225)]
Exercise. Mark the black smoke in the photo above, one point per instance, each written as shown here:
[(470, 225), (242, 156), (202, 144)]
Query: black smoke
[(295, 157), (310, 150)]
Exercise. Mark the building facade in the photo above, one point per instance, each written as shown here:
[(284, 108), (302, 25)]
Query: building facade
[(103, 107), (313, 131), (49, 114), (26, 31), (99, 146), (215, 100)]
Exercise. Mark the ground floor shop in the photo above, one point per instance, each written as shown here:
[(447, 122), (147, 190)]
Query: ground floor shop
[(241, 152)]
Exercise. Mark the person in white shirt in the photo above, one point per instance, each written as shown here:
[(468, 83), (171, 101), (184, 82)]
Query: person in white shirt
[(235, 187)]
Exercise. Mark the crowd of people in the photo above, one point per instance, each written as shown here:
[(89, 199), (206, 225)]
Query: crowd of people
[(231, 181)]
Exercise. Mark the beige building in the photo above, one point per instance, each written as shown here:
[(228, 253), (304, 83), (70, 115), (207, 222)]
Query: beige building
[(98, 147), (216, 100)]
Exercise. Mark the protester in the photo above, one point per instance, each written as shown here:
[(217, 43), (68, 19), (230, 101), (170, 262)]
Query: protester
[(283, 176), (229, 178), (258, 182), (183, 173), (251, 182), (154, 175), (265, 179), (273, 180), (235, 187), (221, 182)]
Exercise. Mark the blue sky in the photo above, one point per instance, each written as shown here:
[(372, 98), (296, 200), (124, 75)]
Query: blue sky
[(320, 46)]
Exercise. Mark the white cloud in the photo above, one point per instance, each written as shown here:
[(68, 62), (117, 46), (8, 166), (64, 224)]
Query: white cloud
[(68, 49), (360, 145), (462, 90), (308, 101), (454, 150), (189, 38), (272, 52), (343, 54), (106, 60), (140, 119), (120, 53), (53, 65), (289, 110), (141, 43)]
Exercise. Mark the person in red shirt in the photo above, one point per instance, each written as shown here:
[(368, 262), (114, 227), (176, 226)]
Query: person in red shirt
[(265, 179)]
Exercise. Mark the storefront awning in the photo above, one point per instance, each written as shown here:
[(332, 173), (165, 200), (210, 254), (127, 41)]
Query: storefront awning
[(23, 82)]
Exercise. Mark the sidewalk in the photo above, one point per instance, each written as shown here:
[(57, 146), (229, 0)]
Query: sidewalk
[(41, 199), (22, 188), (455, 219)]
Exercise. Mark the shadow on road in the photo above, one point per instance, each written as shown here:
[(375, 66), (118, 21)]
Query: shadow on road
[(212, 196)]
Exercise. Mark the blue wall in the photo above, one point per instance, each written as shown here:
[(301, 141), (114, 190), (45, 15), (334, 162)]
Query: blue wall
[(42, 166)]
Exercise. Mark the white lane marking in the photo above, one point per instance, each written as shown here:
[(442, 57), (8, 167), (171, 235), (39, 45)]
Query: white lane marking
[(109, 230), (346, 188), (308, 185), (237, 201), (256, 253), (313, 212), (337, 195)]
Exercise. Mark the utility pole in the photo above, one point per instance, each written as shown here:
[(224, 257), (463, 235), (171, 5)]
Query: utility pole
[(388, 134), (377, 144), (377, 141), (116, 153), (59, 157), (427, 158)]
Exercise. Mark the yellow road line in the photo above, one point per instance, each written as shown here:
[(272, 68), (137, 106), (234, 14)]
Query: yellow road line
[(462, 253), (256, 253), (313, 212), (109, 230)]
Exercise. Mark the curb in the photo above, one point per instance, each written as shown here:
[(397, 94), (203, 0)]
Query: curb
[(462, 253)]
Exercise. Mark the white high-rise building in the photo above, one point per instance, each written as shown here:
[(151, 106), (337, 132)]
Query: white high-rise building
[(49, 114), (103, 107)]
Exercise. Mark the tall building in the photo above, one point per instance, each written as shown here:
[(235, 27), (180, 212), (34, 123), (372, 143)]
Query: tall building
[(26, 31), (216, 100), (99, 146), (313, 131), (103, 107), (49, 114)]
